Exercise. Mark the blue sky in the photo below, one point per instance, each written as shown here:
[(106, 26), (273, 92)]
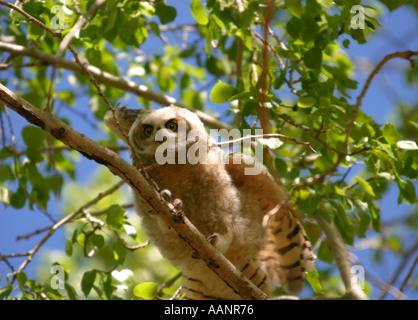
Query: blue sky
[(388, 88)]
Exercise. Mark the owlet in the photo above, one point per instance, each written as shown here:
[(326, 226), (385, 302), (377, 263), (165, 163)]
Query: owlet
[(249, 218)]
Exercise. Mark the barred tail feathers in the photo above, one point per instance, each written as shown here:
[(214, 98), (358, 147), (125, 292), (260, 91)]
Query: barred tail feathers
[(206, 285), (287, 252)]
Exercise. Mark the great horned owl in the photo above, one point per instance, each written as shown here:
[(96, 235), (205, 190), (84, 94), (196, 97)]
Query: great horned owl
[(249, 218)]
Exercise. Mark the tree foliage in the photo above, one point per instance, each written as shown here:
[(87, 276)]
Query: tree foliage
[(280, 65)]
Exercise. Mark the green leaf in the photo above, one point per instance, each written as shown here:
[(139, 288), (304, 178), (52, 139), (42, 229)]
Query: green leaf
[(294, 7), (72, 294), (358, 35), (146, 290), (35, 31), (363, 225), (306, 102), (365, 185), (222, 92), (34, 285), (81, 238), (310, 28), (18, 198), (313, 58), (69, 248), (343, 222), (5, 291), (33, 8), (166, 14), (21, 279), (97, 240), (390, 133), (310, 205), (94, 56), (346, 43), (393, 4), (87, 281), (155, 28), (120, 252), (6, 173), (199, 12), (325, 253), (108, 253), (90, 32), (112, 15), (313, 278), (408, 192), (127, 33), (115, 216), (33, 137)]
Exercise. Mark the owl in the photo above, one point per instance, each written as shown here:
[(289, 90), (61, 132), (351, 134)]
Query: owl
[(248, 218)]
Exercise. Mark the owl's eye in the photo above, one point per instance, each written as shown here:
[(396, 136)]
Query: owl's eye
[(171, 125), (147, 131)]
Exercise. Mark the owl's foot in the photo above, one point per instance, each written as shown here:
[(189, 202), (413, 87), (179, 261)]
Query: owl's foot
[(176, 206)]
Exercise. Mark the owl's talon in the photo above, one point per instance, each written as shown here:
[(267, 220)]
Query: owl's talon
[(220, 241), (166, 195), (212, 238), (178, 205), (177, 208)]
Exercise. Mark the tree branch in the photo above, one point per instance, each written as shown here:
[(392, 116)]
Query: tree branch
[(404, 55), (109, 80), (132, 176), (342, 257)]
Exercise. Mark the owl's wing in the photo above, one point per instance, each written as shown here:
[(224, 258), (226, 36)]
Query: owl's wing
[(124, 119), (286, 253)]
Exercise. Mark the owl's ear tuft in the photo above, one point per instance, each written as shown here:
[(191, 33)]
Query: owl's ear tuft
[(120, 121)]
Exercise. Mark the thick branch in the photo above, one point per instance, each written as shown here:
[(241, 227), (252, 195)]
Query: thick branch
[(342, 257), (108, 79), (132, 176)]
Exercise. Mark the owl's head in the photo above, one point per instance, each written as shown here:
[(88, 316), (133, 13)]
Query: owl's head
[(172, 126), (157, 133)]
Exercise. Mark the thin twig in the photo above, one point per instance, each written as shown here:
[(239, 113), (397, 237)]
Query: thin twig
[(406, 256), (342, 154), (63, 221), (15, 255), (385, 287), (110, 80), (5, 259), (33, 233), (408, 276), (168, 283), (266, 136)]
